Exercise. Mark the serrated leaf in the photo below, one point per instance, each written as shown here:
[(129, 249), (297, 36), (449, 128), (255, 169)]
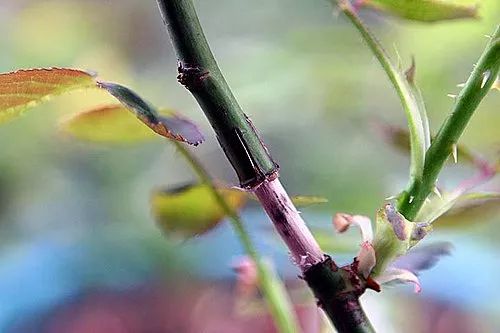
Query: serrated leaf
[(116, 124), (23, 89), (192, 210), (425, 10), (176, 128)]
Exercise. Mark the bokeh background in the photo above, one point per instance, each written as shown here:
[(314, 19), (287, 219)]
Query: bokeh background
[(80, 251)]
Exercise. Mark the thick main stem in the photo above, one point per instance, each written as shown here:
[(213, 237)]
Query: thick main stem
[(290, 225), (199, 73)]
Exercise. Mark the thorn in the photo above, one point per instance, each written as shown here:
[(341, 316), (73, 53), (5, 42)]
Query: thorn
[(461, 85), (411, 199), (486, 76), (392, 197), (436, 191), (427, 200), (487, 36), (410, 72), (452, 96), (454, 152)]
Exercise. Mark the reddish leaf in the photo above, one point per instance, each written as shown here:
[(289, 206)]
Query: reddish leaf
[(26, 88)]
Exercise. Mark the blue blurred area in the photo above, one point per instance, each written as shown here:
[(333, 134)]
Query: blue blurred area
[(46, 271)]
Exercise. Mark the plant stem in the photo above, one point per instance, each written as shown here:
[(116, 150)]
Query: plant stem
[(199, 73), (339, 302), (477, 86), (272, 289), (290, 225), (415, 123)]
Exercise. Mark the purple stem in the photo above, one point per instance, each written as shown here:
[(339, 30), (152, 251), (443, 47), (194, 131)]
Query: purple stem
[(290, 225)]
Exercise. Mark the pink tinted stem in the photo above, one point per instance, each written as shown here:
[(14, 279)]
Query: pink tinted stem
[(290, 225)]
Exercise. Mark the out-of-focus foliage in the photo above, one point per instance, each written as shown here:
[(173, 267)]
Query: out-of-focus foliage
[(107, 124), (115, 124), (470, 210), (23, 89), (170, 126), (192, 209), (308, 200), (426, 10), (399, 138), (466, 210)]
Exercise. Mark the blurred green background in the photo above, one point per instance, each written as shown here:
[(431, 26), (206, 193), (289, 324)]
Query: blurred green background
[(80, 251)]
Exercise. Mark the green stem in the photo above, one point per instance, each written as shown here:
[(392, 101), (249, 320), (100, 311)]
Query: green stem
[(477, 86), (199, 73), (272, 289), (415, 123)]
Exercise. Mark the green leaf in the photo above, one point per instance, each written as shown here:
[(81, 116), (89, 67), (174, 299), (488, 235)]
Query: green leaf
[(426, 10), (173, 127), (420, 104), (308, 200), (26, 88), (192, 210), (106, 124), (115, 124), (338, 244), (300, 201), (471, 209), (457, 211)]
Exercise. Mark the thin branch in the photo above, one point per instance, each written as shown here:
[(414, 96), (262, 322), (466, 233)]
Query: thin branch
[(410, 106), (274, 294), (477, 86)]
